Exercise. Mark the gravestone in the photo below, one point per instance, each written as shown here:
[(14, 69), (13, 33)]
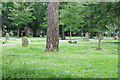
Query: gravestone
[(25, 41), (86, 36), (100, 37)]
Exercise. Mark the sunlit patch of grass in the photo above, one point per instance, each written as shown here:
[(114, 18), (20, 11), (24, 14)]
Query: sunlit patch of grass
[(80, 60)]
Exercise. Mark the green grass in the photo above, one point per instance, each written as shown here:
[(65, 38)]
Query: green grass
[(80, 60), (37, 41)]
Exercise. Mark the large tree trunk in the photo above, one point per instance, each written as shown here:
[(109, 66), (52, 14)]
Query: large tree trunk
[(52, 43), (18, 32), (113, 30), (63, 34)]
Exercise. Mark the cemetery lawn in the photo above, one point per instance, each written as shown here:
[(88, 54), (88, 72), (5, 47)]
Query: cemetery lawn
[(79, 60)]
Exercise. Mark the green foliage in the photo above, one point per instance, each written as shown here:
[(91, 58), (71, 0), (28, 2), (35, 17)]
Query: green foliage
[(20, 14), (40, 12), (86, 16), (70, 14)]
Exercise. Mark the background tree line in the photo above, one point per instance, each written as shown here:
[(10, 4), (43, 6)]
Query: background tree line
[(75, 18)]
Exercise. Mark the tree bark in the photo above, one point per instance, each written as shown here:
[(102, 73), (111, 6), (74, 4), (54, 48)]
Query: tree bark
[(18, 32), (113, 30), (1, 26), (26, 33), (91, 35), (81, 32), (107, 35), (63, 34), (70, 31), (119, 31), (34, 32), (52, 43), (35, 29)]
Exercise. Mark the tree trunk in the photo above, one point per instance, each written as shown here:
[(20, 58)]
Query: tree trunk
[(26, 33), (42, 34), (63, 34), (107, 35), (110, 34), (1, 26), (113, 30), (81, 32), (35, 29), (70, 35), (117, 34), (70, 31), (34, 32), (91, 35), (119, 31), (18, 32), (52, 43)]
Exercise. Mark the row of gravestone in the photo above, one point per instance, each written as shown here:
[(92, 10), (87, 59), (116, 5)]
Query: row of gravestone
[(25, 40)]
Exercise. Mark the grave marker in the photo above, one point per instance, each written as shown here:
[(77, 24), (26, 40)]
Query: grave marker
[(25, 41), (100, 37)]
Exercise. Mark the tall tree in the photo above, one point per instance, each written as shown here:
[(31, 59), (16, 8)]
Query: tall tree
[(21, 15), (71, 17), (52, 43), (40, 9)]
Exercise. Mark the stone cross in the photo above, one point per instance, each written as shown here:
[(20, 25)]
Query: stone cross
[(25, 41), (99, 44)]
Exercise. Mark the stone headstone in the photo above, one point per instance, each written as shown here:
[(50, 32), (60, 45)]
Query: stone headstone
[(25, 41), (86, 36), (100, 37)]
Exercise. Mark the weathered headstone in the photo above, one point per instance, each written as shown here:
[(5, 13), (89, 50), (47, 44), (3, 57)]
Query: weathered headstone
[(100, 37), (25, 41), (86, 36)]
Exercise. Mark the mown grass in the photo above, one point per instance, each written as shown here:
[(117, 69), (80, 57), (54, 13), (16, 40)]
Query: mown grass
[(80, 60)]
